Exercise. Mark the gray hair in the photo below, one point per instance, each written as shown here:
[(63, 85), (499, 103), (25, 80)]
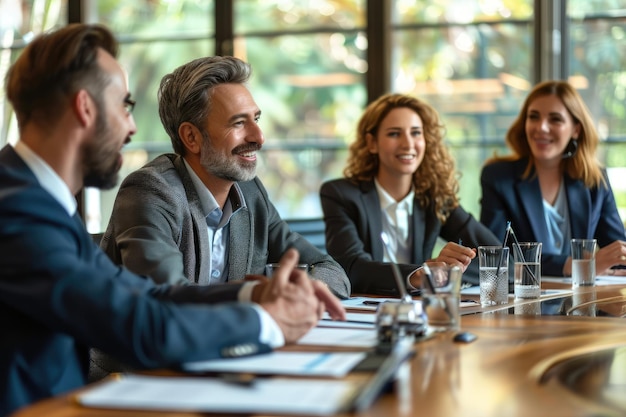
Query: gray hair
[(185, 94)]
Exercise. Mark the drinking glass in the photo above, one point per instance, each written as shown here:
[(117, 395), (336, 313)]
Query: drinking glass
[(583, 262), (441, 288), (493, 264), (527, 279)]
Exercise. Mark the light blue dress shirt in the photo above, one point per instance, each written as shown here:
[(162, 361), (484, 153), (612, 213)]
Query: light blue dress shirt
[(557, 222), (218, 230)]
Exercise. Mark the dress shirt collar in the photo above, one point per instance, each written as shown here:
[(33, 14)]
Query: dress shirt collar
[(386, 200), (47, 177), (208, 202)]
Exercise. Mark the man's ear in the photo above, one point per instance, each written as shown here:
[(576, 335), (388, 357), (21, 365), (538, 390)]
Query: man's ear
[(191, 137), (85, 108)]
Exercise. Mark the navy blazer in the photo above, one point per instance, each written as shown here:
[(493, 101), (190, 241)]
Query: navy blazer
[(506, 196), (59, 293), (353, 235)]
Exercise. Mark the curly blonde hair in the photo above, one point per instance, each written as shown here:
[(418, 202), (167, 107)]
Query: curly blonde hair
[(435, 180), (583, 165)]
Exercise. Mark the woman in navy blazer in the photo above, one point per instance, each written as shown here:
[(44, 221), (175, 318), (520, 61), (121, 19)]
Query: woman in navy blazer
[(398, 159), (553, 188)]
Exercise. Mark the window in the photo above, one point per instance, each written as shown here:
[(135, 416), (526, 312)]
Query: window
[(316, 64), (26, 19), (472, 61), (597, 65), (308, 61)]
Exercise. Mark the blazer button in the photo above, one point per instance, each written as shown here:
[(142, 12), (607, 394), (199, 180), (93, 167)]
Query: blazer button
[(239, 350)]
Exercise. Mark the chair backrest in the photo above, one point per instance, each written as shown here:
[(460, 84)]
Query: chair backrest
[(311, 229)]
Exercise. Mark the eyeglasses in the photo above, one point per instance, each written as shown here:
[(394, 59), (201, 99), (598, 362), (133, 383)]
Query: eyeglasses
[(129, 104)]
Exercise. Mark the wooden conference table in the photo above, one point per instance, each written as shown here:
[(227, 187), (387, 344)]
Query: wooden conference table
[(524, 363)]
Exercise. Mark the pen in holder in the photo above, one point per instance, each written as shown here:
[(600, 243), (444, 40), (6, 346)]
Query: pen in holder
[(517, 249)]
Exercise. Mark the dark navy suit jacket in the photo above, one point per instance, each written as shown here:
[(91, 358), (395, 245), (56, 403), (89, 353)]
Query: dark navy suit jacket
[(59, 294), (353, 235), (508, 197)]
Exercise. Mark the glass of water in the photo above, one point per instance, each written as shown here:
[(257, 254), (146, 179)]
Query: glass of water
[(527, 279), (441, 288), (493, 264), (583, 262)]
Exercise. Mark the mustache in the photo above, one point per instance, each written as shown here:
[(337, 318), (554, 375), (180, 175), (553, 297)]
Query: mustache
[(246, 148)]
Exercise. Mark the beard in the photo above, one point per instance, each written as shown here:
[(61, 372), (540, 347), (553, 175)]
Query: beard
[(101, 157), (227, 167), (101, 175)]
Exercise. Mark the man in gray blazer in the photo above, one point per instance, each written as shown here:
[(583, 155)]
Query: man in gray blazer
[(201, 215)]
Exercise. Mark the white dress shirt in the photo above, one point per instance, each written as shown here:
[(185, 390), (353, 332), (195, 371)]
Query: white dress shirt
[(396, 234)]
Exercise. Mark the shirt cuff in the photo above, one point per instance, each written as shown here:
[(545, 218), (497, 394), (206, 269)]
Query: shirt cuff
[(270, 331), (245, 292), (410, 286)]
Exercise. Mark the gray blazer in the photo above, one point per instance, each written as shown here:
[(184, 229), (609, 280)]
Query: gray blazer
[(158, 229)]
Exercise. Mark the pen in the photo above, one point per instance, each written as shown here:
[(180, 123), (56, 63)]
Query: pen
[(242, 380), (371, 303)]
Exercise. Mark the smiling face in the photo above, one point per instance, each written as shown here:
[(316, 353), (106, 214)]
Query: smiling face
[(233, 135), (549, 126), (400, 145), (102, 157)]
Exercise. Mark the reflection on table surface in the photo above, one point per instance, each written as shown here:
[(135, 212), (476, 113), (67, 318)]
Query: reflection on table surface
[(559, 299), (560, 356)]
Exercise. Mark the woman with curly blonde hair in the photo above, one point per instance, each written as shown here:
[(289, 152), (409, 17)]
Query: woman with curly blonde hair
[(398, 196), (553, 188)]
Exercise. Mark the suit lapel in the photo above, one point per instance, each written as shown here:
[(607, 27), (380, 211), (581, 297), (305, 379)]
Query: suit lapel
[(371, 202), (198, 221), (240, 251), (425, 227), (578, 197), (529, 195)]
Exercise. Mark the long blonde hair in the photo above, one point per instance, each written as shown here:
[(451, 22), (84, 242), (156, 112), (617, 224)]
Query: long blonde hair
[(583, 165), (435, 180)]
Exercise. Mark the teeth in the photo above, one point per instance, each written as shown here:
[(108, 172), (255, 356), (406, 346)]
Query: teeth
[(406, 156), (248, 154)]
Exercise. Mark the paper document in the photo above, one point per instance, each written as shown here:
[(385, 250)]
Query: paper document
[(371, 303), (355, 317), (353, 320), (601, 280), (328, 336), (330, 364), (201, 394), (475, 290), (365, 303)]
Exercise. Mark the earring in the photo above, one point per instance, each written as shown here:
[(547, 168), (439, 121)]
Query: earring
[(571, 148)]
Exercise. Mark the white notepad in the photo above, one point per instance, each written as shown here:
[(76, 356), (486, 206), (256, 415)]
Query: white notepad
[(345, 337), (266, 396), (331, 364)]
